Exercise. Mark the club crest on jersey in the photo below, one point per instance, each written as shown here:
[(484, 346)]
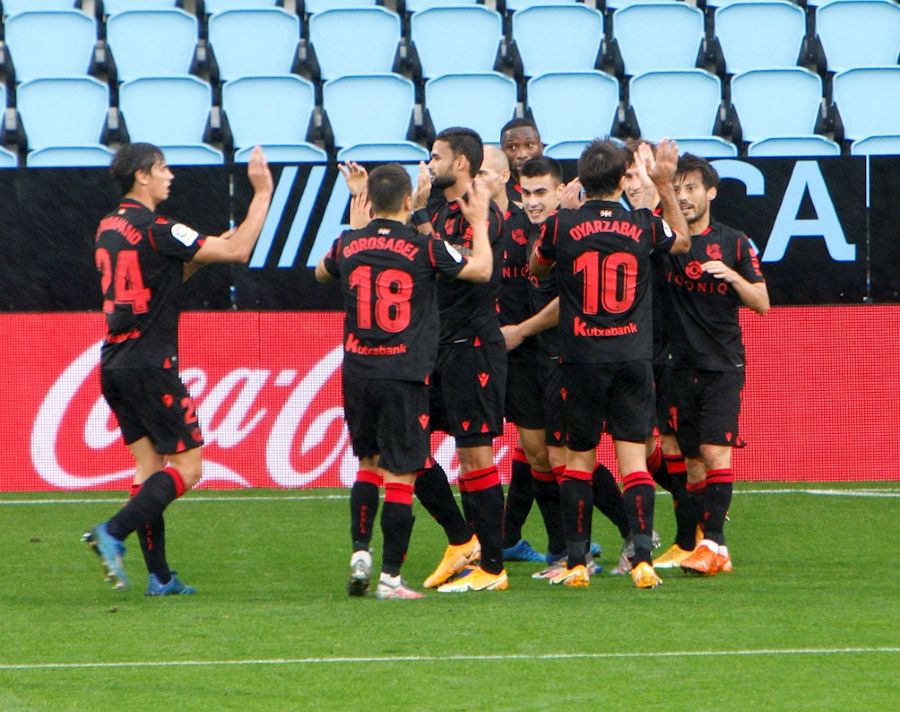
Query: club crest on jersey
[(606, 213), (184, 234), (518, 236), (714, 251)]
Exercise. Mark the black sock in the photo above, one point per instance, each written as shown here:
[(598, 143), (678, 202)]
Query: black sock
[(482, 496), (656, 465), (576, 498), (608, 498), (519, 498), (719, 488), (546, 494), (363, 508), (685, 517), (435, 494), (638, 498), (152, 538), (396, 525), (157, 492), (696, 494)]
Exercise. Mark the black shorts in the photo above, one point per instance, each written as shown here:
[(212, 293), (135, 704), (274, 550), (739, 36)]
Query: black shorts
[(468, 390), (153, 403), (707, 407), (663, 379), (554, 418), (620, 393), (390, 419), (526, 379)]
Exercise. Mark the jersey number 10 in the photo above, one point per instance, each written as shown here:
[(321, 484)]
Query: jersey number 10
[(611, 283)]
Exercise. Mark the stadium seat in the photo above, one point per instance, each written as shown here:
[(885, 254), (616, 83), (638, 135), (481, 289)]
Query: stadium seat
[(113, 7), (760, 35), (171, 52), (313, 6), (13, 7), (51, 43), (401, 151), (557, 38), (281, 153), (565, 150), (661, 107), (777, 102), (193, 155), (348, 103), (8, 159), (412, 6), (260, 42), (859, 34), (435, 34), (513, 6), (706, 146), (211, 7), (67, 111), (593, 97), (652, 36), (69, 157), (274, 112), (165, 110), (354, 41), (794, 146), (868, 100), (876, 146), (483, 102), (619, 4)]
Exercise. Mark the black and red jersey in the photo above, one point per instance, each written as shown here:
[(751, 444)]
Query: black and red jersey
[(140, 257), (706, 333), (662, 306), (388, 276), (515, 293), (602, 255), (514, 191), (467, 309)]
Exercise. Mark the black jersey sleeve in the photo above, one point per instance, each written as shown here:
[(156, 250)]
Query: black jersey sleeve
[(331, 258), (545, 247), (445, 258), (663, 234), (175, 239), (747, 262)]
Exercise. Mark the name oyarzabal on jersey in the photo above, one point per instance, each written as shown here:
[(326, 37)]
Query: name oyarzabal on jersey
[(140, 257), (601, 251), (388, 278)]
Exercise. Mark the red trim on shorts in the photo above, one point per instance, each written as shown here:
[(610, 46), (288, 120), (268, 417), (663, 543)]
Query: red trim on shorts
[(696, 487), (723, 476), (635, 479), (558, 472), (577, 475), (398, 492), (370, 476), (543, 476), (675, 464), (519, 455), (177, 479), (655, 459), (478, 480)]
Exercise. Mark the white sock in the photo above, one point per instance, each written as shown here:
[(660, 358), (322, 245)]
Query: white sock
[(711, 545)]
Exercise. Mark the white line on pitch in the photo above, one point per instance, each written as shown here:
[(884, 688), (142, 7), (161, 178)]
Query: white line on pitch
[(444, 659)]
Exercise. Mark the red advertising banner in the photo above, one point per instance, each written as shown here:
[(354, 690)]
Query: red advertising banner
[(822, 400)]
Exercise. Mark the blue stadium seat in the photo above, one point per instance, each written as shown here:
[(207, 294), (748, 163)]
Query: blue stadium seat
[(313, 6), (259, 42), (619, 4), (13, 7), (435, 35), (68, 111), (483, 102), (868, 99), (777, 102), (192, 155), (274, 112), (662, 110), (348, 103), (419, 5), (876, 146), (166, 110), (8, 159), (565, 150), (707, 146), (573, 106), (859, 34), (401, 151), (211, 7), (113, 7), (285, 153), (171, 52), (653, 36), (354, 41), (760, 35), (69, 157), (557, 38), (794, 146), (52, 43)]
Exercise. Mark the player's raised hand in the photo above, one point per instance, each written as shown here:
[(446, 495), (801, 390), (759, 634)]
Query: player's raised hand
[(423, 187), (474, 205), (360, 209), (259, 174), (572, 196), (662, 170), (644, 163), (355, 176)]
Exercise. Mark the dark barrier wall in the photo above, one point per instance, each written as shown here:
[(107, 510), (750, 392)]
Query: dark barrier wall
[(826, 229)]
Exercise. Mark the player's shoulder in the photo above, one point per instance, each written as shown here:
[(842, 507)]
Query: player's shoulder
[(726, 232)]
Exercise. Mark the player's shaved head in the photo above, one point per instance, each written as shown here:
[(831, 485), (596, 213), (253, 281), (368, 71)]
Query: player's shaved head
[(495, 158)]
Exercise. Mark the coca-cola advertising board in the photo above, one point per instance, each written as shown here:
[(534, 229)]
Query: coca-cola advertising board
[(821, 401)]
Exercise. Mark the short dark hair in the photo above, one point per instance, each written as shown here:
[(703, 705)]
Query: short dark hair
[(633, 144), (541, 166), (464, 142), (689, 162), (388, 186), (601, 166), (518, 124), (131, 158)]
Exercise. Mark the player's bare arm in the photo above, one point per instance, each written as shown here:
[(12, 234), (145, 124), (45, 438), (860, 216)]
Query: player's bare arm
[(546, 318), (754, 295), (238, 246), (480, 265), (420, 198), (661, 171)]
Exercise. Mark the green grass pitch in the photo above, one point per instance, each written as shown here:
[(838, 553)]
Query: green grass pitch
[(807, 621)]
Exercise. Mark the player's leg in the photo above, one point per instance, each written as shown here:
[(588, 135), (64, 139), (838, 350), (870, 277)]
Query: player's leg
[(530, 463)]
